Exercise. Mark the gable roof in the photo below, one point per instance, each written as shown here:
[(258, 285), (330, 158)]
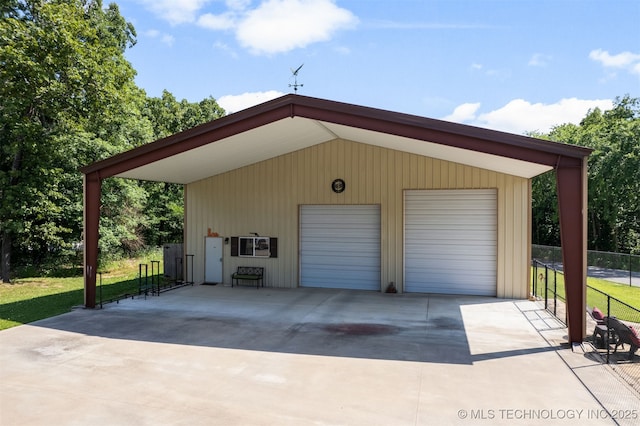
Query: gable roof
[(294, 122)]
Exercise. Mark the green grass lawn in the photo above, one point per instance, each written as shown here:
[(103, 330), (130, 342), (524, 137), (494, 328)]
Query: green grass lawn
[(623, 292), (30, 299)]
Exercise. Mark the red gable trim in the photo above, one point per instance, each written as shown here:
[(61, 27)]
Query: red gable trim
[(420, 128)]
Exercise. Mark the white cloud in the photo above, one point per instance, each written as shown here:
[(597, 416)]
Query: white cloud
[(225, 48), (238, 4), (273, 26), (493, 73), (167, 39), (464, 112), (224, 21), (625, 60), (175, 11), (278, 26), (539, 60), (235, 103), (520, 116)]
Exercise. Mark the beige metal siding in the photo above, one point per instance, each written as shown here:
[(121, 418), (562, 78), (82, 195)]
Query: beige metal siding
[(264, 198)]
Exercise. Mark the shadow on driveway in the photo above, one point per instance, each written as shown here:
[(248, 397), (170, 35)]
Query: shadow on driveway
[(337, 323)]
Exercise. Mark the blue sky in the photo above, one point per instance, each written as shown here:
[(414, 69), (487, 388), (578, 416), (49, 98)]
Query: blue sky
[(512, 65)]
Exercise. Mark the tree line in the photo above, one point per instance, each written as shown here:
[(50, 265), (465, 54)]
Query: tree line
[(68, 98), (613, 222)]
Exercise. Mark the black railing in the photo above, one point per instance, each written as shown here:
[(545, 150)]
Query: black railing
[(144, 284), (548, 285), (545, 286)]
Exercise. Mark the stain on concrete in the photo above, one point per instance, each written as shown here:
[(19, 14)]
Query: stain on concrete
[(445, 323), (361, 329)]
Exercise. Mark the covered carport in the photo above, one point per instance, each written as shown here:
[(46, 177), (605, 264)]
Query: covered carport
[(294, 122)]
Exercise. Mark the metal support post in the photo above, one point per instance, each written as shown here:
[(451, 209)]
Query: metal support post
[(155, 275), (146, 279), (189, 264)]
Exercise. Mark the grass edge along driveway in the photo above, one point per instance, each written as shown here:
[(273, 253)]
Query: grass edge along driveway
[(31, 299)]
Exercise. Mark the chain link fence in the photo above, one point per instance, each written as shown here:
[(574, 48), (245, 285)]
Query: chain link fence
[(612, 340), (616, 336), (621, 268)]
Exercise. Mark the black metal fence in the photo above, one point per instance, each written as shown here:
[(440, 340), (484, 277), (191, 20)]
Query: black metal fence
[(548, 285), (149, 281)]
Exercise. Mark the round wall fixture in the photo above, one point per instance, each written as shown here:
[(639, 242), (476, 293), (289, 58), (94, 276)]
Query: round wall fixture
[(338, 186)]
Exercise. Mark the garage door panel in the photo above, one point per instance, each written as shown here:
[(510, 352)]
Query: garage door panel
[(331, 244), (450, 241), (340, 246), (453, 288), (453, 236), (457, 268), (353, 279), (478, 247), (450, 220), (346, 271), (454, 280), (427, 273), (445, 261), (324, 262)]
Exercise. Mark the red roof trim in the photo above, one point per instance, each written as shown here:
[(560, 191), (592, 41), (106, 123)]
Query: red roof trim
[(410, 126)]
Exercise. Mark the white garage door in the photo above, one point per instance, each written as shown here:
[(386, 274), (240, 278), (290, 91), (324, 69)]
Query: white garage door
[(451, 241), (340, 246)]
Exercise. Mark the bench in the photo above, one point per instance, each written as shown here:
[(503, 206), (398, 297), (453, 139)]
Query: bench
[(623, 334), (249, 273)]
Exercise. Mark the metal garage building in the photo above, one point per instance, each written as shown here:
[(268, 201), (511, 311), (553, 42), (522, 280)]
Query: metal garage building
[(357, 197)]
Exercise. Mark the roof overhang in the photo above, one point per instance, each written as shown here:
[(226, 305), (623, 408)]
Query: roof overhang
[(295, 122)]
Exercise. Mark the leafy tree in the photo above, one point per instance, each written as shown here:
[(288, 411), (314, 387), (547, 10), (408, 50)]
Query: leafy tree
[(168, 116), (164, 205), (545, 220), (614, 179), (66, 90), (69, 99)]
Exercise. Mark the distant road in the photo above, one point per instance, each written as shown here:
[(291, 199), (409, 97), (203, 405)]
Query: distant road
[(613, 275)]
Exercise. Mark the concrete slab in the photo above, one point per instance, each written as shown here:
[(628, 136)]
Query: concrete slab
[(213, 355)]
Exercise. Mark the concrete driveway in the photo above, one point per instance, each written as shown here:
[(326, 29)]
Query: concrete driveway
[(213, 355)]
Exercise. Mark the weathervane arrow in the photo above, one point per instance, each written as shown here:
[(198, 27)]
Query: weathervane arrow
[(295, 84)]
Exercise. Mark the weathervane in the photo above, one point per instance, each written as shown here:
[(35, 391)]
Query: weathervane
[(295, 84)]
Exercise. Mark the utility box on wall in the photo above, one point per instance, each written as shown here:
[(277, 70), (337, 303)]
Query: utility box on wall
[(173, 255)]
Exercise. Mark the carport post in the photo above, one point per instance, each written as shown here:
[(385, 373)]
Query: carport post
[(92, 190), (572, 203)]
